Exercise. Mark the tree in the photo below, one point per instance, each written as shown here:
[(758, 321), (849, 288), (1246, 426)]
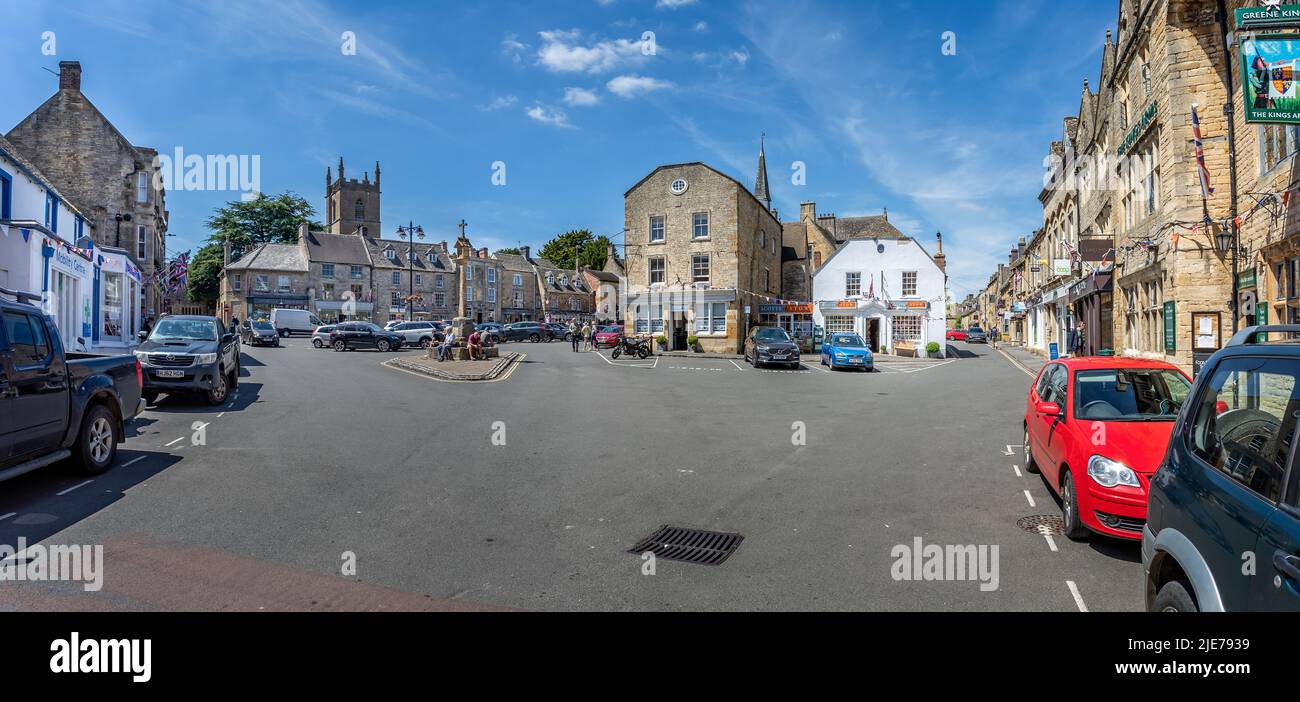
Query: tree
[(508, 250), (204, 273), (560, 250), (262, 220)]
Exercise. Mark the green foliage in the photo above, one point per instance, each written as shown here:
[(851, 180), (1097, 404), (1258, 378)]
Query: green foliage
[(203, 274), (932, 347), (662, 339), (508, 250), (262, 220), (692, 340), (560, 250)]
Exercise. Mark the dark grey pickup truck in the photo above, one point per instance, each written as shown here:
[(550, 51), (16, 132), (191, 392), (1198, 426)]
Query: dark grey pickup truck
[(56, 405)]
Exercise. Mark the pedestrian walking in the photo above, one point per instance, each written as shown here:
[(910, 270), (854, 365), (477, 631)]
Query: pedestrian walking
[(586, 337), (575, 334), (1078, 339)]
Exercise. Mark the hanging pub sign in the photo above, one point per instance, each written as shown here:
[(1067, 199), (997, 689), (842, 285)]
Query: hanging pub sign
[(1269, 94), (1276, 16)]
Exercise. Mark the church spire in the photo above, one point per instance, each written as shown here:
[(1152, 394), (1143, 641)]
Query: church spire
[(760, 181)]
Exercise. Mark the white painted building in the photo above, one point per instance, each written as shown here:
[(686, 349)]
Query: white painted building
[(39, 236), (890, 291)]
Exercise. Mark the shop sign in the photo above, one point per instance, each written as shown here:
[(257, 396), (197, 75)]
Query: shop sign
[(1276, 16), (917, 304), (787, 308), (846, 304), (70, 263), (1171, 336), (1269, 94), (1061, 266), (1139, 128), (1246, 279)]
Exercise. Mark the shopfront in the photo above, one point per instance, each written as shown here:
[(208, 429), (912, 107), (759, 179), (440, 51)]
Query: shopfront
[(66, 290), (711, 316), (260, 306), (1092, 300), (887, 327), (796, 318), (118, 287)]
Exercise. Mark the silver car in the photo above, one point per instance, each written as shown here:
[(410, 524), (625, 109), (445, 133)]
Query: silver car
[(321, 337)]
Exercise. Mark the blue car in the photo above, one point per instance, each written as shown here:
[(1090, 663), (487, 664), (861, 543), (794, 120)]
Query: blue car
[(846, 351)]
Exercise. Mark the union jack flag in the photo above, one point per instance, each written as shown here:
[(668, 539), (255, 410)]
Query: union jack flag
[(1206, 189)]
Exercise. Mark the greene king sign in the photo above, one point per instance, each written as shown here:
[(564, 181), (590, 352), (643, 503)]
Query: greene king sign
[(1256, 17)]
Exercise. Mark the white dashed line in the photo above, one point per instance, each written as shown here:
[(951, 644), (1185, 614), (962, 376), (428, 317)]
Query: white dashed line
[(737, 365), (134, 461), (169, 443), (6, 516), (219, 416), (74, 487), (1051, 543), (1030, 498), (1017, 470), (1078, 599)]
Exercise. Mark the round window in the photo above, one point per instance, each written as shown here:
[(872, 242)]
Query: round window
[(679, 186)]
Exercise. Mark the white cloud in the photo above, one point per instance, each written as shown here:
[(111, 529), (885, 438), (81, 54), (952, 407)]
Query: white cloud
[(499, 103), (701, 26), (549, 115), (674, 4), (563, 51), (740, 56), (513, 49), (580, 97), (631, 86)]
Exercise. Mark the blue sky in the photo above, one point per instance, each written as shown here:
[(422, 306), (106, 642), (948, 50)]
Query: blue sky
[(563, 95)]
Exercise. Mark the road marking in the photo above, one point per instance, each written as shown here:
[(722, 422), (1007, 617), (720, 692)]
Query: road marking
[(6, 516), (1017, 364), (1017, 470), (737, 365), (74, 487), (1030, 498), (134, 461), (169, 443), (1010, 452), (1050, 542), (1078, 599), (219, 416)]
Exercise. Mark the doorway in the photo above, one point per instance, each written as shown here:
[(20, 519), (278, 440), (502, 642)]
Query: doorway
[(873, 334)]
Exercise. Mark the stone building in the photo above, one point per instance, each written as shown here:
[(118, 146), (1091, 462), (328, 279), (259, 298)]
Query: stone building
[(702, 252), (564, 294), (341, 278), (352, 206), (520, 295), (268, 277), (478, 281), (111, 181), (1092, 294), (429, 275), (604, 288)]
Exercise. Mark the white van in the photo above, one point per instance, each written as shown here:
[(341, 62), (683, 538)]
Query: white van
[(290, 322)]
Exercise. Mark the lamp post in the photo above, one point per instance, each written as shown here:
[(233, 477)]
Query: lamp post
[(410, 232), (120, 218)]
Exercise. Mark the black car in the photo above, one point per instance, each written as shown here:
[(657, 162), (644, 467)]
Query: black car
[(259, 333), (558, 331), (189, 353), (975, 335), (363, 335), (1223, 512), (526, 331), (770, 345)]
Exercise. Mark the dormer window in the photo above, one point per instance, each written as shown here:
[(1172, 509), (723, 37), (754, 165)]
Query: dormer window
[(564, 280), (390, 254), (550, 279)]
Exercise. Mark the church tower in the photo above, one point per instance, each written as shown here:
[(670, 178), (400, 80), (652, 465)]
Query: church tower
[(352, 206)]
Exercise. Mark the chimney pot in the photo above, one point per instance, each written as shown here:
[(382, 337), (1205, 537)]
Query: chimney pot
[(525, 251), (70, 75)]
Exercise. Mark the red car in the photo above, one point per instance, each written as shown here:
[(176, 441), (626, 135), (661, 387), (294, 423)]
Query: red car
[(608, 336), (956, 335), (1097, 428)]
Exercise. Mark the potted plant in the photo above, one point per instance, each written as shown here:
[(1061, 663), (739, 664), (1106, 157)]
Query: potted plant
[(932, 348), (693, 342), (662, 340)]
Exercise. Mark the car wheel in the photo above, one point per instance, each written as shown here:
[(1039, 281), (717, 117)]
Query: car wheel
[(424, 342), (382, 345), (534, 338), (284, 332), (340, 346), (317, 343), (1175, 596), (97, 442), (1030, 465), (1074, 528), (217, 393)]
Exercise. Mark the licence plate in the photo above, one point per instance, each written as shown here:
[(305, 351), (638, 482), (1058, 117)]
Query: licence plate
[(170, 373)]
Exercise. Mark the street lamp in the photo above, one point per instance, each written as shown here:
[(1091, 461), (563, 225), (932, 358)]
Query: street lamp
[(1223, 240), (411, 231), (120, 218)]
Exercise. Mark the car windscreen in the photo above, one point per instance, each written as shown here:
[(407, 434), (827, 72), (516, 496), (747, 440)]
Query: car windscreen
[(611, 330), (265, 326), (187, 329), (367, 326), (846, 340), (974, 330), (1129, 394), (772, 334)]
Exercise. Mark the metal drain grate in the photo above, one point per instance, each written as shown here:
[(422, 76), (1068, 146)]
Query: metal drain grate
[(689, 545), (1048, 524)]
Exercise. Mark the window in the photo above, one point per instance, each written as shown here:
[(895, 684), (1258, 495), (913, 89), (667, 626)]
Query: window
[(1140, 184), (1045, 386), (236, 282), (657, 318), (141, 186), (1277, 143), (6, 195), (1145, 72), (839, 323), (573, 303), (327, 291), (492, 295), (700, 268), (1132, 394), (852, 284), (564, 280), (390, 254), (397, 277), (1246, 421), (419, 279), (519, 280), (356, 293), (656, 228), (656, 270), (700, 222), (909, 283), (142, 243), (439, 299), (817, 257), (762, 240), (907, 328), (284, 283), (396, 298), (767, 279), (492, 276), (356, 271), (519, 299), (431, 257), (1281, 281), (359, 212), (27, 336), (327, 270), (711, 318)]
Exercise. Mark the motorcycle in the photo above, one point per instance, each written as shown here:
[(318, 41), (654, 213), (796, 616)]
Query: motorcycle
[(631, 345)]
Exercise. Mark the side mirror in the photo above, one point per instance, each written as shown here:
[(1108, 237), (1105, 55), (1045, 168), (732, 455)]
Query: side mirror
[(227, 338), (141, 335), (1048, 408)]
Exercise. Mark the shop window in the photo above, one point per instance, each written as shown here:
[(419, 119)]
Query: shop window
[(907, 328), (839, 323), (711, 317), (113, 297)]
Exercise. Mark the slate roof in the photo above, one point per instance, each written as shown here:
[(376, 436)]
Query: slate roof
[(514, 262), (336, 248), (272, 257), (603, 275), (572, 285), (870, 227), (441, 263)]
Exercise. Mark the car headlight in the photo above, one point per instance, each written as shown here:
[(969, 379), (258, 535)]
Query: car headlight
[(142, 356), (840, 355), (204, 359), (1110, 473), (763, 349)]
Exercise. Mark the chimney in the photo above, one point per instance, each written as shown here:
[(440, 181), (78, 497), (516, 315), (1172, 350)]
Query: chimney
[(525, 251), (302, 232), (482, 253), (886, 214), (70, 75), (807, 210), (939, 259), (443, 245)]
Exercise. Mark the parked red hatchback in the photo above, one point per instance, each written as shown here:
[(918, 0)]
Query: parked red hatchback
[(957, 335), (608, 336), (1097, 429)]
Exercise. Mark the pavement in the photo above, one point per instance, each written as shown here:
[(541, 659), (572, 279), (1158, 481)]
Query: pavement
[(332, 482), (1028, 360)]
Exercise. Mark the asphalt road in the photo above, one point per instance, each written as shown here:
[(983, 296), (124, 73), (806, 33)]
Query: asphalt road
[(258, 504)]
